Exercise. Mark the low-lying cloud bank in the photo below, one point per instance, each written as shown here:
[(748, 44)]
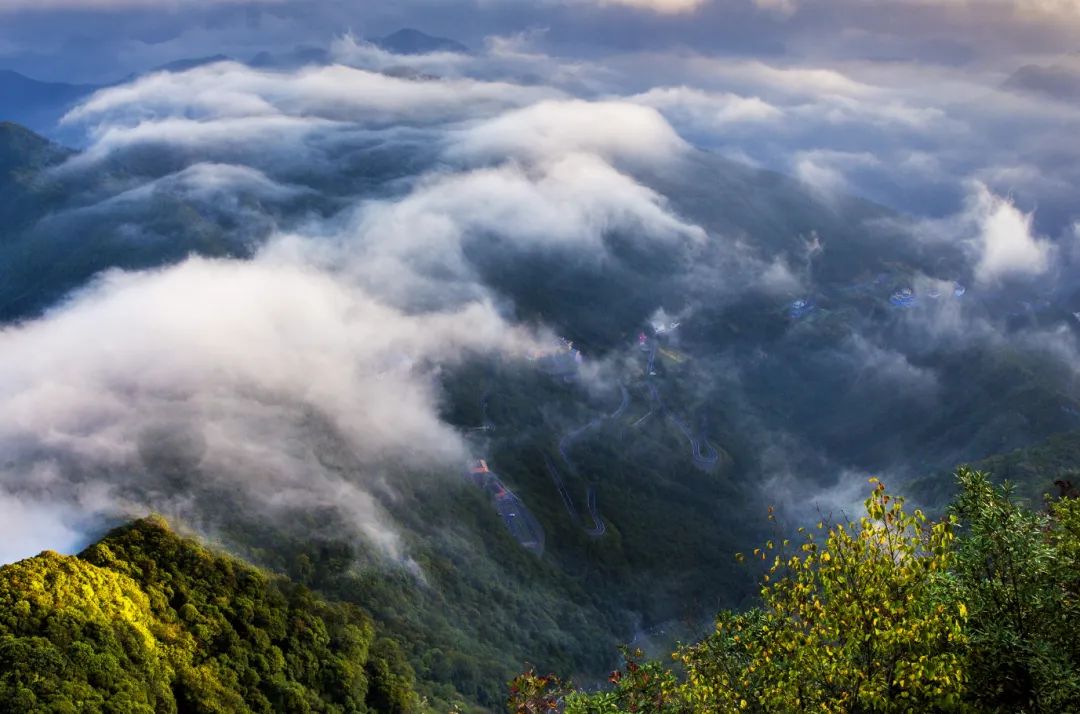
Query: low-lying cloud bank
[(233, 373), (308, 376)]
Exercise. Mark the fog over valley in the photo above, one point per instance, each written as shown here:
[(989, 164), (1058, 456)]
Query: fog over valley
[(510, 329)]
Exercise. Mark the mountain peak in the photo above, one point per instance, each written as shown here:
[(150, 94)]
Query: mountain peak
[(409, 41)]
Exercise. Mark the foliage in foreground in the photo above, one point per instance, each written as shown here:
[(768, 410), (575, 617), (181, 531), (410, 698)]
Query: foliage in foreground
[(892, 613), (145, 621)]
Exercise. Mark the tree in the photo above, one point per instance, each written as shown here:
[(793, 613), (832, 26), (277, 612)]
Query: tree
[(863, 616), (1020, 577), (146, 621), (531, 693)]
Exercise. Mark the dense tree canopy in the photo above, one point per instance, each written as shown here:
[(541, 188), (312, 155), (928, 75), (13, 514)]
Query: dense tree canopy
[(146, 621), (892, 613)]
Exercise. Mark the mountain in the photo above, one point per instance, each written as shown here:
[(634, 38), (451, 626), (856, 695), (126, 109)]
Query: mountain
[(889, 613), (644, 486), (1044, 468), (297, 57), (22, 152), (414, 42), (147, 621), (25, 193), (60, 229), (35, 104), (182, 65)]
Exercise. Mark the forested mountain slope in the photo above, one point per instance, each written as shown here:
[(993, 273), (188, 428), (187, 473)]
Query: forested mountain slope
[(147, 621)]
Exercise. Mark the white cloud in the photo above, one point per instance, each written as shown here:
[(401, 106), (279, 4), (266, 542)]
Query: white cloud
[(826, 172), (715, 112), (570, 204), (31, 526), (324, 348), (1006, 240), (259, 362), (228, 90), (612, 130), (221, 184)]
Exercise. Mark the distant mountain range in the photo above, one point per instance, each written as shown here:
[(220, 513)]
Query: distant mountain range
[(36, 104)]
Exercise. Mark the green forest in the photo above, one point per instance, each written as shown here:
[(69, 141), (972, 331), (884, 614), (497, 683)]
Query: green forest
[(976, 611), (147, 621)]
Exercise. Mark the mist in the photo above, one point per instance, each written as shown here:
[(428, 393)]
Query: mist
[(346, 234)]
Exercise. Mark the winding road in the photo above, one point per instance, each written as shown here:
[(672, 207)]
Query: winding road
[(709, 457), (599, 527), (705, 454)]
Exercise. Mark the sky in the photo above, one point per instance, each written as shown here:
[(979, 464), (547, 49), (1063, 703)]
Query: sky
[(558, 131), (101, 40)]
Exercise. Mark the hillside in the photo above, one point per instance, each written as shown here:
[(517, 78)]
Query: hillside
[(626, 474), (58, 229), (1033, 470), (26, 193), (147, 621), (890, 613), (37, 104)]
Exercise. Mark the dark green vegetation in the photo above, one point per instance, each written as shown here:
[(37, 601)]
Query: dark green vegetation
[(59, 228), (976, 612), (1052, 465), (479, 607), (65, 224), (146, 621)]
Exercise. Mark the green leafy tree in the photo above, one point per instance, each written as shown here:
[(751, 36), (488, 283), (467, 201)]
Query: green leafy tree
[(1020, 575), (640, 686), (863, 616)]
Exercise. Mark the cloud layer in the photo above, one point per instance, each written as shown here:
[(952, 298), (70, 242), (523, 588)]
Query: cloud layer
[(395, 205), (307, 377)]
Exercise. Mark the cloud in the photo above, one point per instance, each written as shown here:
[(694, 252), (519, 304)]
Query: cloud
[(708, 112), (305, 376), (237, 371), (31, 526), (275, 121), (572, 204), (222, 184), (663, 7), (1007, 244), (825, 172), (120, 5), (783, 8), (308, 376), (611, 130), (229, 90)]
